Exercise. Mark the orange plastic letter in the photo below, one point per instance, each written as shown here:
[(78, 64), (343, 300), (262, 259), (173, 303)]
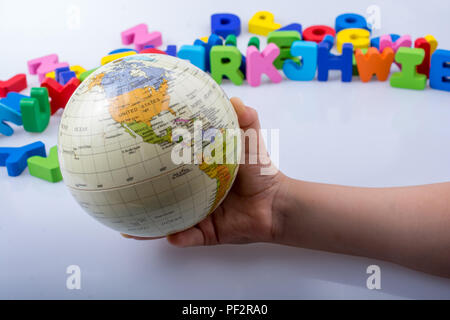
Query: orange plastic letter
[(374, 63)]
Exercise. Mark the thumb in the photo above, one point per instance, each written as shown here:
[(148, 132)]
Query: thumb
[(248, 117), (187, 238)]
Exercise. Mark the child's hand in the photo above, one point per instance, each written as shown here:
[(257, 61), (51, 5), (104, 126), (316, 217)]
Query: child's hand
[(408, 225), (246, 214)]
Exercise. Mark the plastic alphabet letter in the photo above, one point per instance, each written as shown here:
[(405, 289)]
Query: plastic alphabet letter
[(360, 38), (12, 100), (58, 72), (262, 23), (231, 40), (440, 70), (43, 65), (15, 159), (8, 115), (35, 110), (140, 37), (408, 78), (292, 27), (86, 74), (10, 112), (318, 33), (171, 50), (374, 63), (386, 41), (65, 77), (284, 40), (349, 21), (305, 71), (112, 57), (15, 84), (254, 41), (153, 50), (64, 74), (213, 40), (424, 67), (121, 50), (224, 24), (46, 168), (355, 71), (60, 94), (225, 61), (327, 61), (375, 42), (194, 53), (262, 62), (329, 39), (77, 69), (433, 43)]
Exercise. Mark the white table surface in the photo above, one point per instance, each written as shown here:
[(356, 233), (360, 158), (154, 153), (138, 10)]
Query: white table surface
[(344, 133)]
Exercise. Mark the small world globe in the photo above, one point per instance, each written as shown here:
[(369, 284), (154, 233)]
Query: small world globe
[(117, 138)]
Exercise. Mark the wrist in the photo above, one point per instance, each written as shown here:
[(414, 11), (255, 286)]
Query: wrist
[(281, 206)]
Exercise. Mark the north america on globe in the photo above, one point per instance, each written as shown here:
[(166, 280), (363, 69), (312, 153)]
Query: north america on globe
[(117, 136)]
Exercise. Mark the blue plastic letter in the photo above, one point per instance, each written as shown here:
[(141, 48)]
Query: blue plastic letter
[(306, 71), (15, 159), (10, 111), (195, 54), (121, 50), (224, 24), (292, 27), (327, 61), (350, 21), (213, 40), (440, 70), (171, 50)]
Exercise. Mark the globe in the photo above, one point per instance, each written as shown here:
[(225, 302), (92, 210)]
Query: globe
[(117, 138)]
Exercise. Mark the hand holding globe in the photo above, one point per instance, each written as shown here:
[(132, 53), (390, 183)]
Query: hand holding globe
[(247, 214), (116, 143), (120, 144)]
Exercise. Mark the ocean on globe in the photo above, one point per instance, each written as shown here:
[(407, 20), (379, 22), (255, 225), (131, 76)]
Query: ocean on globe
[(116, 139)]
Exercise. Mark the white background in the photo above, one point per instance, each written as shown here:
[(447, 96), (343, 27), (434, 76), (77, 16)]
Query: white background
[(344, 133)]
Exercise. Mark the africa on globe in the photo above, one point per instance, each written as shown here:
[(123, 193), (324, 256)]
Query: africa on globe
[(128, 150)]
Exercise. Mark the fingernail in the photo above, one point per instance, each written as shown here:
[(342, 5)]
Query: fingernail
[(240, 100), (126, 236)]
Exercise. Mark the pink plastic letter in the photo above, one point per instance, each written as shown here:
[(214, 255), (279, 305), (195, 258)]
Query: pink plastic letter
[(140, 37), (386, 42), (41, 66), (262, 62)]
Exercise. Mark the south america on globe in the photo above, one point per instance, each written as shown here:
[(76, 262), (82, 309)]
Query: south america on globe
[(123, 133)]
